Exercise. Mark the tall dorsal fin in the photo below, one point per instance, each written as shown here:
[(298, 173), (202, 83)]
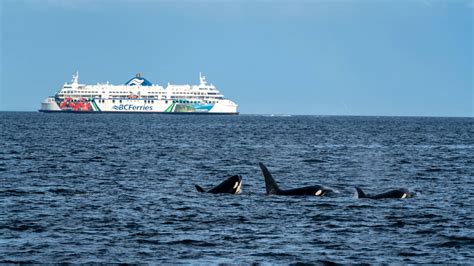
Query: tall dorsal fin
[(360, 193), (270, 184), (199, 189)]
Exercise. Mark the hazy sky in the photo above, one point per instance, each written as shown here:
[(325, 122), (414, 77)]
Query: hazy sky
[(295, 57)]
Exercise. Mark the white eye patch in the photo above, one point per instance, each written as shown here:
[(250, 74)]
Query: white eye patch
[(239, 189), (319, 192), (236, 185), (404, 195)]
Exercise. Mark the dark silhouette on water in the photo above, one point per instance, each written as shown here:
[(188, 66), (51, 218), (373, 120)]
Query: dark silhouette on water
[(232, 185), (392, 194), (273, 189)]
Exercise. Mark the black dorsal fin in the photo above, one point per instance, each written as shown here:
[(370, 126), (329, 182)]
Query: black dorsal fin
[(270, 184), (200, 189), (360, 193)]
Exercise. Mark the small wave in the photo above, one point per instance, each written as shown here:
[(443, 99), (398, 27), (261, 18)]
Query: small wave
[(149, 241), (426, 232), (409, 254), (327, 262), (66, 191), (314, 161), (398, 223), (457, 242), (25, 227), (191, 242), (132, 225), (433, 169), (17, 192), (93, 159), (19, 262), (274, 255), (365, 206), (322, 217)]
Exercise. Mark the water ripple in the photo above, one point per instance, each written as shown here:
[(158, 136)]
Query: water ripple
[(120, 188)]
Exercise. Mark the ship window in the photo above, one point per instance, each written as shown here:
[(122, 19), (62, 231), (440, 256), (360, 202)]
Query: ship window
[(120, 101), (113, 101), (166, 101)]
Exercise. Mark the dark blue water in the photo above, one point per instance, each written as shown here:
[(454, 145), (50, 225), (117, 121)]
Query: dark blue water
[(120, 188)]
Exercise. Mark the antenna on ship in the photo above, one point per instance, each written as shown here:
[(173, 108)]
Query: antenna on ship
[(75, 78), (202, 79)]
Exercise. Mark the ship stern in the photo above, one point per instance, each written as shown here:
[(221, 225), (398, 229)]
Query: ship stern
[(49, 105)]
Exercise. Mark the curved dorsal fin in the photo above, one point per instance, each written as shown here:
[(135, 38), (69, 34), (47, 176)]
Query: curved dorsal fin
[(360, 193), (270, 183), (199, 189)]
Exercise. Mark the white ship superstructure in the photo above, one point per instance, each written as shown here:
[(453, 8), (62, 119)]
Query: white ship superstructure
[(139, 95)]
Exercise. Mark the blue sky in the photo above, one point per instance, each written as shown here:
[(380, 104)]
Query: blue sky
[(410, 58)]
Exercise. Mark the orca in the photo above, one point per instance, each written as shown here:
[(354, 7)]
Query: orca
[(392, 194), (273, 189), (232, 185)]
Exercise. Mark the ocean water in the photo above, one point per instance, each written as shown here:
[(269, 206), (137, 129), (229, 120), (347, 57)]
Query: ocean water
[(120, 188)]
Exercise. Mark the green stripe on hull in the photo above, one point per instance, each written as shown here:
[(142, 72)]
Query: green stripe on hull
[(94, 105), (170, 108)]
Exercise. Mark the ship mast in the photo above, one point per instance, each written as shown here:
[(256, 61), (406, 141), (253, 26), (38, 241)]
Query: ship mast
[(75, 78), (202, 79)]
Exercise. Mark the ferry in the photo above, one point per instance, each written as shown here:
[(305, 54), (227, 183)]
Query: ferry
[(138, 95)]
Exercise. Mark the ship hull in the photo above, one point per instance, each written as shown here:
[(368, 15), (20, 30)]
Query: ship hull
[(125, 112), (141, 106)]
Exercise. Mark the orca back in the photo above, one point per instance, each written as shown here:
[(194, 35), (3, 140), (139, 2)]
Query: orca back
[(305, 191), (230, 185), (392, 194)]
